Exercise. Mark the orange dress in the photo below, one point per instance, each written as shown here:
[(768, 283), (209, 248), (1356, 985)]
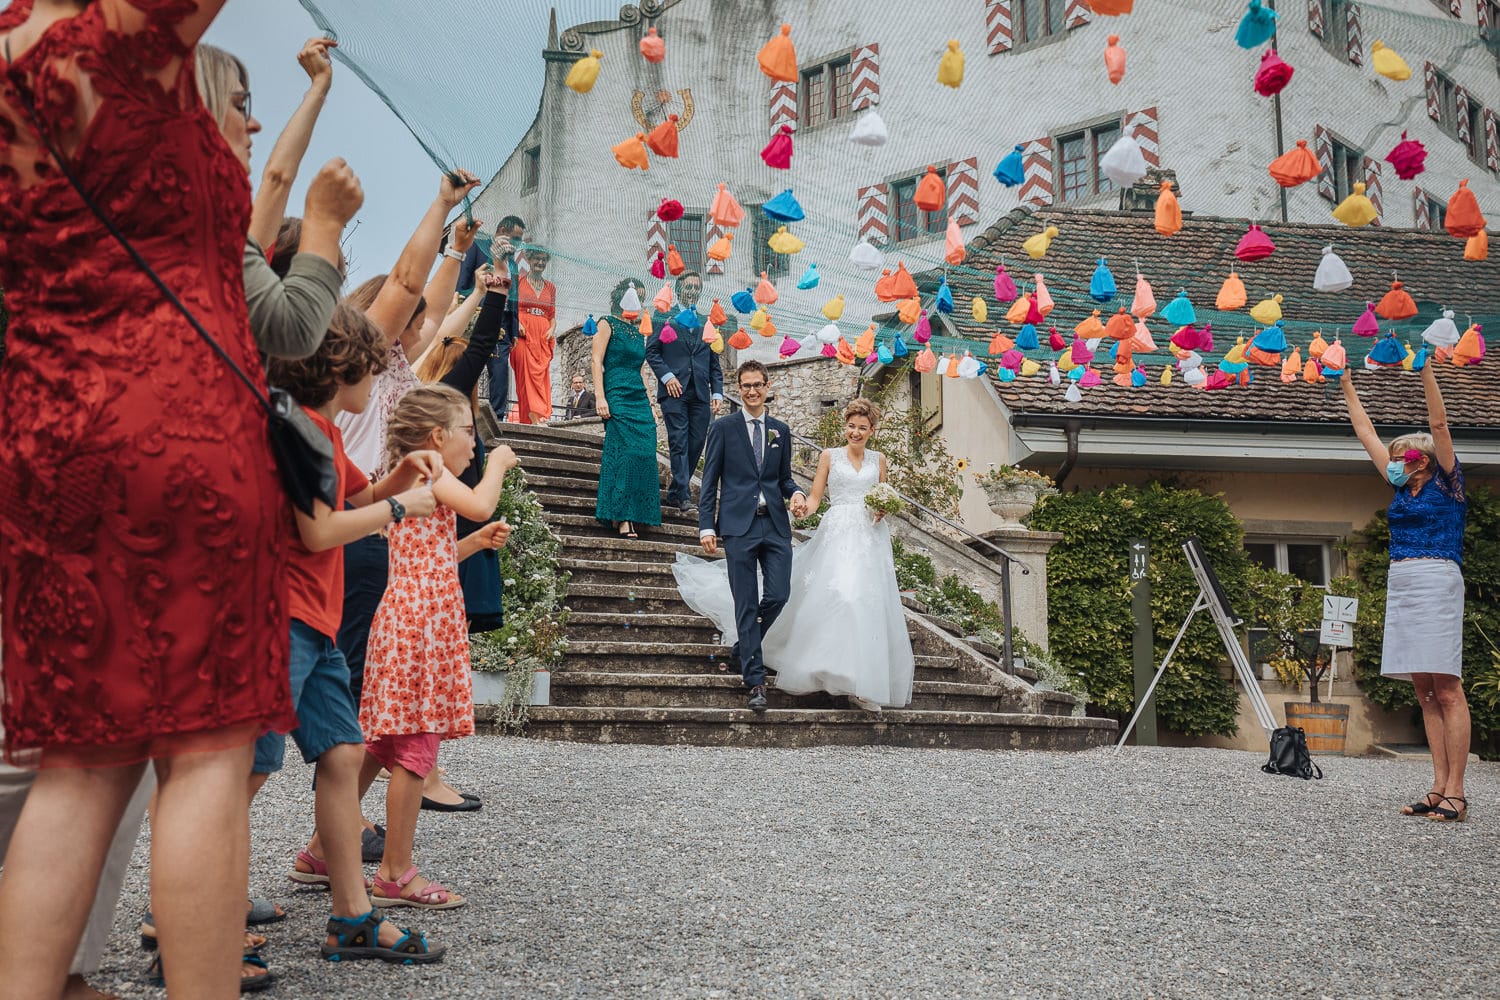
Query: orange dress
[(417, 666), (531, 357)]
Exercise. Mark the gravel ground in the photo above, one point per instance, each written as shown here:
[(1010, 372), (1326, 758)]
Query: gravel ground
[(622, 871)]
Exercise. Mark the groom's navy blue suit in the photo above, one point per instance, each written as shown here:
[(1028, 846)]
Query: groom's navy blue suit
[(754, 536)]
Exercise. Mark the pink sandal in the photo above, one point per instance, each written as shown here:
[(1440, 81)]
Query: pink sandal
[(319, 873), (430, 897)]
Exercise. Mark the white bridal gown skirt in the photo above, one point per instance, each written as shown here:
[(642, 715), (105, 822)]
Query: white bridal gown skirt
[(843, 630)]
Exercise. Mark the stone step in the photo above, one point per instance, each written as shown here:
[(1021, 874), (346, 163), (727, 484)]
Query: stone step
[(644, 651), (652, 574), (612, 546), (588, 526), (740, 727), (585, 501), (622, 598), (527, 448), (672, 690), (577, 469), (614, 626), (512, 432)]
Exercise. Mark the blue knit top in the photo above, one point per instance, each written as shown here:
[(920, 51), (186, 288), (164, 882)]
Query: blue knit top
[(1430, 525)]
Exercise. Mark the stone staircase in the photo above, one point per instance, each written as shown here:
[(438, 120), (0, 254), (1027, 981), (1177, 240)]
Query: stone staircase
[(642, 666)]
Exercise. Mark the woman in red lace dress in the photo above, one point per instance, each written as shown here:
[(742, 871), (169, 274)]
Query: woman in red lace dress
[(141, 543)]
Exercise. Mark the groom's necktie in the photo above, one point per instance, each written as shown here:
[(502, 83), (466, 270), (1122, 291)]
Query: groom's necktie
[(760, 446)]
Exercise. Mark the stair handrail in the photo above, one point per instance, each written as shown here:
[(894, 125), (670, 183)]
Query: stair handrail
[(1008, 650)]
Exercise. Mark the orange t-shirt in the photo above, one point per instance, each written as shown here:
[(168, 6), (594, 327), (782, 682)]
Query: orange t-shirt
[(315, 580)]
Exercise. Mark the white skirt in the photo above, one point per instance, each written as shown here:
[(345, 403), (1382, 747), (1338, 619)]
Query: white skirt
[(1424, 619)]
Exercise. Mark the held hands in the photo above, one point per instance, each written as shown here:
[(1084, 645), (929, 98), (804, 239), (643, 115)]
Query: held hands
[(464, 231), (494, 282), (335, 193), (493, 535), (799, 506), (315, 62), (710, 544), (456, 186), (419, 502)]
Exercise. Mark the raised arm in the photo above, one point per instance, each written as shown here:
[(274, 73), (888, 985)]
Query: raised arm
[(596, 357), (492, 317), (1363, 428), (286, 156), (477, 504), (442, 286), (397, 301), (1437, 419)]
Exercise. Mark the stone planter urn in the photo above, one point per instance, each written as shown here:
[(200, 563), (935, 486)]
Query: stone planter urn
[(1012, 501)]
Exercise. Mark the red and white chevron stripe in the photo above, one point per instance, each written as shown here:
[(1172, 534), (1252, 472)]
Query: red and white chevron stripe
[(963, 191), (1465, 130), (1036, 160), (1484, 16), (1434, 99), (1077, 13), (783, 105), (1323, 150), (1315, 17), (1373, 191), (874, 217), (711, 235), (1144, 127), (1491, 140), (1356, 47), (864, 76), (1421, 212), (999, 32), (656, 236), (1456, 7)]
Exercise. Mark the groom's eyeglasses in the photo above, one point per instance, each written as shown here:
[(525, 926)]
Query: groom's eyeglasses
[(752, 387)]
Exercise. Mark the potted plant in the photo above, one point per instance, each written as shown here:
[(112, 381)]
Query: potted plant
[(1013, 492), (1287, 613)]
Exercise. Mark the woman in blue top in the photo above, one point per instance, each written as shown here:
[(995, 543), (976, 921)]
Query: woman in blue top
[(1424, 609)]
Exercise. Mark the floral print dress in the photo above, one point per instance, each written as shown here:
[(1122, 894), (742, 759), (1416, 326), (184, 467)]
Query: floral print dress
[(417, 668)]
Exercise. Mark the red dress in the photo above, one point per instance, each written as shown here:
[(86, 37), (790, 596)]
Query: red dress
[(531, 355), (142, 546)]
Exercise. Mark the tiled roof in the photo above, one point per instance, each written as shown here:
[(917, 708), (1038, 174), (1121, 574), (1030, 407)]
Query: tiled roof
[(1430, 265)]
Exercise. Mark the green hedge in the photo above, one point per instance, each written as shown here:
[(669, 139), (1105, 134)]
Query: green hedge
[(1090, 626), (1481, 619)]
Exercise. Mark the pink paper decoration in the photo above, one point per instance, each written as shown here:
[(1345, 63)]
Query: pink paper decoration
[(1055, 340), (1254, 245), (659, 266), (1080, 353), (923, 332), (1005, 288), (670, 210), (1408, 158), (1034, 314), (1090, 377), (778, 152), (1273, 75), (1367, 325), (789, 347), (829, 351), (1012, 359)]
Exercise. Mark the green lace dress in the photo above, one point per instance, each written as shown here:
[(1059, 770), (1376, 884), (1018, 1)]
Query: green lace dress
[(629, 487)]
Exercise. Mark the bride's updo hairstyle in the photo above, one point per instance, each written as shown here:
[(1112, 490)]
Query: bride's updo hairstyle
[(862, 407)]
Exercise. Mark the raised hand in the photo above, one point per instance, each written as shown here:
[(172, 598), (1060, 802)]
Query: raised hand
[(464, 231), (505, 456), (335, 194), (493, 535), (456, 187), (418, 502), (423, 466), (315, 62)]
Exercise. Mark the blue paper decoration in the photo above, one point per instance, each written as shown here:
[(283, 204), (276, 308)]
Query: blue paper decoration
[(1012, 168), (885, 355), (809, 278), (944, 297), (984, 366), (1102, 287), (1006, 375), (784, 208), (688, 319), (1233, 367), (745, 301), (1137, 378), (1420, 361), (1179, 312), (1026, 339), (1256, 27), (1388, 352), (898, 348), (1273, 339), (590, 327)]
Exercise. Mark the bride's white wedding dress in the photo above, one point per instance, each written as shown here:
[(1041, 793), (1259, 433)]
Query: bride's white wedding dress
[(843, 630)]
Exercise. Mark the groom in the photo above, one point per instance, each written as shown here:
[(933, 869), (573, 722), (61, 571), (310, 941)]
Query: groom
[(747, 479)]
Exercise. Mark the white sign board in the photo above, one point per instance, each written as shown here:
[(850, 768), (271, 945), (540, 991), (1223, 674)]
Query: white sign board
[(1336, 633), (1340, 609)]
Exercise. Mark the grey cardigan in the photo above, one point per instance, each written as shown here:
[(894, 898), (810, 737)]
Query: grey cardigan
[(288, 318)]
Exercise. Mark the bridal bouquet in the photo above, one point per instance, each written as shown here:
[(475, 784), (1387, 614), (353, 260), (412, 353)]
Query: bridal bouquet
[(884, 499)]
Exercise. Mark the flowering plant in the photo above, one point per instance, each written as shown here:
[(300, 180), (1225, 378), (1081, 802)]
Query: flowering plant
[(1011, 475), (884, 499)]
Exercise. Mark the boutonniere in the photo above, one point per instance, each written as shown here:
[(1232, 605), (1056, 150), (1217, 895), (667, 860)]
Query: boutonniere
[(771, 436)]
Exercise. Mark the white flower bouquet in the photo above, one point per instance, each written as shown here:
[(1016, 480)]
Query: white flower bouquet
[(884, 499)]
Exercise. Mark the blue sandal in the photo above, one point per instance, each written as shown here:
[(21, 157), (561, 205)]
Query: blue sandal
[(359, 937)]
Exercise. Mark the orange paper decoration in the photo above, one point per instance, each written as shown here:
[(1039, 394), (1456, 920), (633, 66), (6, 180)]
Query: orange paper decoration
[(1463, 218), (902, 283), (768, 329), (716, 314), (953, 244), (725, 210), (930, 194), (1043, 297), (740, 340), (663, 138), (1291, 365), (1396, 304), (1168, 211), (1114, 59), (720, 248), (778, 57), (1295, 166), (926, 361), (652, 47), (765, 292), (1090, 328), (1311, 374), (1478, 246), (1018, 310), (909, 310), (675, 266), (865, 342), (1317, 347), (631, 154), (1231, 294), (952, 370), (1120, 327)]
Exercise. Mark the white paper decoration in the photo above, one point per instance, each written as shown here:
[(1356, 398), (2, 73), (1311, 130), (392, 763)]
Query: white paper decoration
[(1333, 274), (1124, 163), (870, 130)]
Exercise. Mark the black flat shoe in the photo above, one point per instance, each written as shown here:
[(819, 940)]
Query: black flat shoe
[(758, 698), (1442, 814), (470, 803)]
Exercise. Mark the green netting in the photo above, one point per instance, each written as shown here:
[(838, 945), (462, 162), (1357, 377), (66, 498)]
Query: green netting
[(468, 83)]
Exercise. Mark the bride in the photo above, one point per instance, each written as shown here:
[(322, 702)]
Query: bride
[(843, 630)]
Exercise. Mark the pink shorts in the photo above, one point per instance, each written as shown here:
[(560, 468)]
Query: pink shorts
[(415, 752)]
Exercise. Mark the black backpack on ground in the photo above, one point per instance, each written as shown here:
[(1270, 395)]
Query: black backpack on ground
[(1289, 755)]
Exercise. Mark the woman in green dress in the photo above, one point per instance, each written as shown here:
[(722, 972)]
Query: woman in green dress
[(629, 484)]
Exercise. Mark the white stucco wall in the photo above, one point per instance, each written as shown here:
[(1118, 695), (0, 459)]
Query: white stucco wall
[(1215, 132)]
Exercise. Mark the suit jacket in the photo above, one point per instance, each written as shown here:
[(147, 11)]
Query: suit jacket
[(693, 362), (586, 406), (732, 486)]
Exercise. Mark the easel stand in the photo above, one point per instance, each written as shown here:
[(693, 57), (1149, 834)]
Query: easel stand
[(1210, 598)]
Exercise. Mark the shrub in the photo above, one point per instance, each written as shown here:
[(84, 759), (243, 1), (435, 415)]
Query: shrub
[(1089, 595)]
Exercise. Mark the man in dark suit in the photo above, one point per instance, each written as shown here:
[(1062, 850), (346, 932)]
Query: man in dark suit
[(580, 400), (690, 385), (747, 479)]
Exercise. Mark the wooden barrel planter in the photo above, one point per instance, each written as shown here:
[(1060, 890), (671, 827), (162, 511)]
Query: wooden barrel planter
[(1326, 726)]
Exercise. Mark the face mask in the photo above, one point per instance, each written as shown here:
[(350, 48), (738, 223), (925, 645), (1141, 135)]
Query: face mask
[(1396, 472)]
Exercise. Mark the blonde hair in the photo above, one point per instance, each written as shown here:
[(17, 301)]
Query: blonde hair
[(1420, 441), (420, 412), (219, 75), (862, 407), (439, 361)]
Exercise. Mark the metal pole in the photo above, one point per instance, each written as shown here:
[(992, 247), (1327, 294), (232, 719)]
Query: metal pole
[(1198, 606), (1144, 645), (1007, 648), (1276, 112)]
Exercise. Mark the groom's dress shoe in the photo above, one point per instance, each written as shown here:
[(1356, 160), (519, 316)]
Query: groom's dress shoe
[(758, 698)]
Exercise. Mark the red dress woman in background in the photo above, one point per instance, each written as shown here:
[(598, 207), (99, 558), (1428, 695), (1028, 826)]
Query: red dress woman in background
[(531, 355), (141, 519)]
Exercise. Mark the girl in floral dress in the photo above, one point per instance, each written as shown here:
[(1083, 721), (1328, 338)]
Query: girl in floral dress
[(417, 685)]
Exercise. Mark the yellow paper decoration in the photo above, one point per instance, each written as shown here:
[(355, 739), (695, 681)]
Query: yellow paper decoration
[(834, 308), (1357, 209), (951, 67), (758, 318), (1036, 246), (783, 242), (1030, 367), (1387, 63), (1267, 311), (979, 309), (1236, 355), (1166, 375), (585, 72)]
